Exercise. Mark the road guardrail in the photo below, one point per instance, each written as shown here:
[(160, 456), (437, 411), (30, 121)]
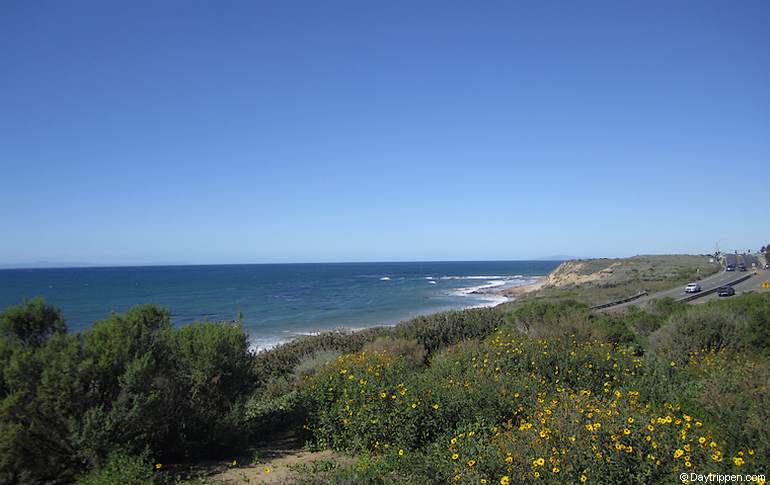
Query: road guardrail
[(619, 302)]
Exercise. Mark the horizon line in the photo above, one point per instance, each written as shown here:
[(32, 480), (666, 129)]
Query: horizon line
[(53, 265)]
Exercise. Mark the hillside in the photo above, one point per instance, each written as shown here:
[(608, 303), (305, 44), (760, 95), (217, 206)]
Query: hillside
[(594, 281)]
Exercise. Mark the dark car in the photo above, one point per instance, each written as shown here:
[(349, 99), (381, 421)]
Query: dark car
[(741, 267), (726, 291), (730, 267)]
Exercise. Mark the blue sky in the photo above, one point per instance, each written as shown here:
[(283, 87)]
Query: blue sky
[(225, 132)]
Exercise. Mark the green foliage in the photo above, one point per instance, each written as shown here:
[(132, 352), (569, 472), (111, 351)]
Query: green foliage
[(121, 469), (665, 307), (546, 318), (309, 365), (281, 361), (701, 327), (754, 308), (31, 323), (441, 330), (412, 351), (130, 383), (135, 386), (532, 388)]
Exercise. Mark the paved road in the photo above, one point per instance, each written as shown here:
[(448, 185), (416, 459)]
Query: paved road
[(714, 281), (750, 260), (736, 259), (752, 284)]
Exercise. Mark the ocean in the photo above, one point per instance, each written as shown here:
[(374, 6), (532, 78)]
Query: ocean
[(277, 301)]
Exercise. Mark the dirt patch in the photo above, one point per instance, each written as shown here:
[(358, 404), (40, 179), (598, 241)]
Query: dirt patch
[(580, 273), (270, 462), (274, 471)]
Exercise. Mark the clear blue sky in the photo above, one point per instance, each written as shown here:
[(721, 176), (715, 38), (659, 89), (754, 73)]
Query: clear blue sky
[(256, 131)]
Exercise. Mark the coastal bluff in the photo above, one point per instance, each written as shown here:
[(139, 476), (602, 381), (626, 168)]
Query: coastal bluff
[(604, 279)]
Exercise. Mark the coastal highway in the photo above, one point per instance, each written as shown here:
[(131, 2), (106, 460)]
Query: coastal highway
[(750, 260), (710, 282), (752, 284)]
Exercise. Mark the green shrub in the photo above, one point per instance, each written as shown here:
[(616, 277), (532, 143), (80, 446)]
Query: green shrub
[(525, 408), (731, 391), (443, 329), (131, 383), (754, 308), (705, 327), (310, 364), (284, 359), (44, 395), (31, 323), (665, 307), (121, 469), (544, 319), (412, 351)]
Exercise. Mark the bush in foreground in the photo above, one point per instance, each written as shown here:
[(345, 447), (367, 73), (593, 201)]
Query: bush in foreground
[(131, 383)]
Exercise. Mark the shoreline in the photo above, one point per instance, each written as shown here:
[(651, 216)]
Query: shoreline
[(521, 290), (496, 294)]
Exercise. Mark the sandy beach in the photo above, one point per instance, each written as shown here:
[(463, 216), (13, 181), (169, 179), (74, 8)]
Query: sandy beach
[(517, 291)]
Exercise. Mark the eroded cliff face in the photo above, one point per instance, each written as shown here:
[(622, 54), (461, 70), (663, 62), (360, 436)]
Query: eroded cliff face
[(580, 272)]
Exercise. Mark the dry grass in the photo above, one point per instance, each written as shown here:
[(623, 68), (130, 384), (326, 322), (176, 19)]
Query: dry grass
[(595, 281)]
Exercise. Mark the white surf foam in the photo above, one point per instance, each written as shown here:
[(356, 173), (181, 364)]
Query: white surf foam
[(260, 344), (475, 277)]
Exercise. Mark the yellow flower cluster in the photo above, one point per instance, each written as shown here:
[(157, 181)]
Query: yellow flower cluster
[(570, 414)]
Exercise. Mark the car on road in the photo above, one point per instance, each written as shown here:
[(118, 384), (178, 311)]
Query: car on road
[(692, 288), (741, 267), (726, 290), (767, 265), (730, 267)]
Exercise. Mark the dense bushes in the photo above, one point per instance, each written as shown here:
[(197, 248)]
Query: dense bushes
[(132, 383), (120, 469), (278, 369), (561, 395), (561, 410), (457, 396), (31, 324)]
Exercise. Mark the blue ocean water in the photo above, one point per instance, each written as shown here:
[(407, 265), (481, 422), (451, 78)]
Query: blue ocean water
[(278, 301)]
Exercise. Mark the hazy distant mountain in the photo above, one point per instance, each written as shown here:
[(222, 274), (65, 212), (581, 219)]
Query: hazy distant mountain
[(557, 257), (46, 264)]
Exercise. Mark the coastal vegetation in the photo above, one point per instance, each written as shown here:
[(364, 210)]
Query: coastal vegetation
[(540, 390), (602, 280)]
